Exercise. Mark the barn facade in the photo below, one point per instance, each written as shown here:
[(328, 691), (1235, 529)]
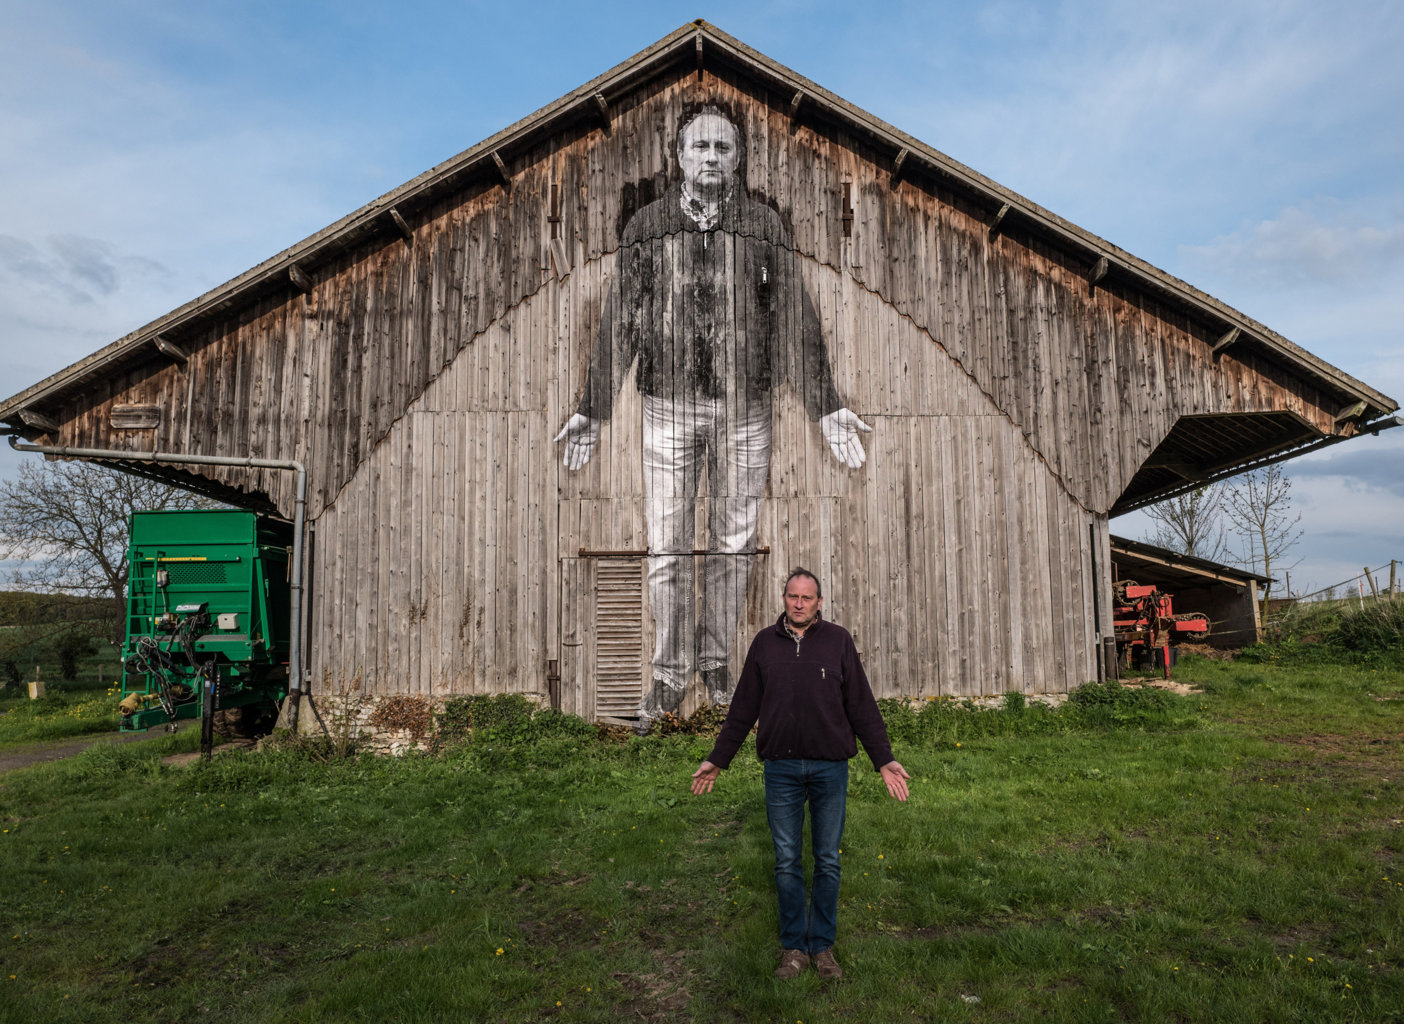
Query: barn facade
[(426, 359)]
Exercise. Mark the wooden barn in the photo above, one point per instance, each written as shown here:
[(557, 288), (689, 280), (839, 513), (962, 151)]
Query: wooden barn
[(571, 403)]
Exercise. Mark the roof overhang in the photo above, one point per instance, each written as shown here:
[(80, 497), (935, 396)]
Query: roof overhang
[(697, 45), (1179, 570), (1201, 450)]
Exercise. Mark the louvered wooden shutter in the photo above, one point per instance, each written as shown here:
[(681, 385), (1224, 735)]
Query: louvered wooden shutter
[(618, 635)]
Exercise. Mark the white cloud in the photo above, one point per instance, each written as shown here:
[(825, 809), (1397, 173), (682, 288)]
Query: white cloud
[(1324, 242)]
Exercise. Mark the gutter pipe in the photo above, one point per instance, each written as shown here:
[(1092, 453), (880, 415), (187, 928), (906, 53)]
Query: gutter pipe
[(295, 672)]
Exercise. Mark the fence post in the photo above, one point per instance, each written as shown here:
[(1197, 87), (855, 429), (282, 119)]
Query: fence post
[(1391, 579), (1371, 580)]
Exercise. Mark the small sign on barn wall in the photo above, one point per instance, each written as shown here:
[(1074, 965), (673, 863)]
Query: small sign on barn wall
[(135, 417)]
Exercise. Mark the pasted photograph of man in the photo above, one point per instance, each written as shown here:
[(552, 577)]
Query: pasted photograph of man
[(708, 300)]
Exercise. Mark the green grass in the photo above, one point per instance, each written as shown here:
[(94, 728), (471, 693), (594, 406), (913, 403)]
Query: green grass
[(1232, 856), (65, 710)]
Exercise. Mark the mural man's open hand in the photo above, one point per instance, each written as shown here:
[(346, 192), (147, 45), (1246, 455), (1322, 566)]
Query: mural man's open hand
[(581, 434), (840, 429)]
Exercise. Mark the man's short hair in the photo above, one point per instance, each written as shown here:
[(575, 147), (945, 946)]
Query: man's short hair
[(800, 570)]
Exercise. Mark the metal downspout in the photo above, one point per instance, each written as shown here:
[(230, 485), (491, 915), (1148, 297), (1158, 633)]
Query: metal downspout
[(295, 674)]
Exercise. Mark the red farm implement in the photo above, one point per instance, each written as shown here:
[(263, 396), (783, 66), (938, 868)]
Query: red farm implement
[(1146, 626)]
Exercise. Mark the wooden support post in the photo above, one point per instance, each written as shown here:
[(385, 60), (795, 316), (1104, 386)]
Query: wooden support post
[(699, 56), (897, 166), (36, 419), (847, 209), (170, 350), (999, 219), (1225, 340), (299, 278), (502, 173), (1371, 580), (602, 108), (401, 225), (796, 102), (1391, 579), (1099, 271)]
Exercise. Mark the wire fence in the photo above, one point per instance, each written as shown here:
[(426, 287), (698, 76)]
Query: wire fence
[(1383, 583)]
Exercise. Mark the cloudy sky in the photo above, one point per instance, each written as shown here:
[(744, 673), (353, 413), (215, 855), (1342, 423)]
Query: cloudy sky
[(149, 152)]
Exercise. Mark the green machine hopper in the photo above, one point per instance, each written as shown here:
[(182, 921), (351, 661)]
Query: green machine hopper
[(207, 616)]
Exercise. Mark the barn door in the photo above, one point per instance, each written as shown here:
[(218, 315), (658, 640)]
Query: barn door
[(602, 635)]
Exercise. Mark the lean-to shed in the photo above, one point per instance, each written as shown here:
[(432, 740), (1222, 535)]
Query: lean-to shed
[(707, 275)]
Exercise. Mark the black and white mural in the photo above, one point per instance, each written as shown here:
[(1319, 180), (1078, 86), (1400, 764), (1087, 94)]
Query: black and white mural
[(708, 300)]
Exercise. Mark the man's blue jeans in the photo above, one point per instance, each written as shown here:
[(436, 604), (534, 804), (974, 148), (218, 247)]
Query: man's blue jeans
[(789, 785)]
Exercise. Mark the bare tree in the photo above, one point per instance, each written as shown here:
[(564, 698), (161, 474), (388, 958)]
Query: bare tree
[(1259, 507), (1192, 524), (68, 523)]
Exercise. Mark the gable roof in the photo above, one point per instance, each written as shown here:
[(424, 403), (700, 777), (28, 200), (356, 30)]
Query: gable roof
[(701, 45)]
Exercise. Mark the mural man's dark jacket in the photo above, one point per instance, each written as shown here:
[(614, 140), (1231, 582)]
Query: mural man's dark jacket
[(706, 312), (811, 697)]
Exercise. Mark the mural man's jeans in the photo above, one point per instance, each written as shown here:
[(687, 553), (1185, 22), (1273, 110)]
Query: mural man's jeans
[(731, 441), (789, 785)]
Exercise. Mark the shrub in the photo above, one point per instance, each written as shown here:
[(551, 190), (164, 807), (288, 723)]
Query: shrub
[(1328, 631), (509, 718), (1376, 629), (1111, 704)]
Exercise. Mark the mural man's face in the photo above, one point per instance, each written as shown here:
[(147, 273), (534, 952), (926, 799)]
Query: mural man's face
[(802, 602), (708, 154)]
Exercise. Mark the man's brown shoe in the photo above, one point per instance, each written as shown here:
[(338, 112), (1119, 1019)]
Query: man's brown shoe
[(792, 963), (827, 966)]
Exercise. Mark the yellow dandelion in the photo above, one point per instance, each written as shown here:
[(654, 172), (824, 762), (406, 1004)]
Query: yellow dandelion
[(499, 950)]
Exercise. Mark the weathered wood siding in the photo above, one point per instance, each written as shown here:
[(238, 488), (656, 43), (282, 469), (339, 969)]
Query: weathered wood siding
[(422, 383)]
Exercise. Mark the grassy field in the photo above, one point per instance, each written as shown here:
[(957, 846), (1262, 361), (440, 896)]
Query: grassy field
[(1235, 855)]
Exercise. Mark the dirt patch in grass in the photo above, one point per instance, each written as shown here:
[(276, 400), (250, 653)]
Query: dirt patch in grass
[(56, 750), (1362, 752), (659, 995), (1159, 683)]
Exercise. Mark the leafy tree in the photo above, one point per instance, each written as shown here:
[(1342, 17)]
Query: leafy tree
[(1193, 523), (1259, 507), (68, 522)]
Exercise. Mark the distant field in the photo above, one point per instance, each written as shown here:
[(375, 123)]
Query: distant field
[(1235, 855)]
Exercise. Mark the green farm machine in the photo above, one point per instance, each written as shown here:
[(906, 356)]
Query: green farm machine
[(207, 617)]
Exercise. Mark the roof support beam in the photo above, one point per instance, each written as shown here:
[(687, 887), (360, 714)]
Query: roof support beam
[(897, 166), (170, 350), (502, 173), (401, 225), (699, 56), (602, 109), (1350, 412), (796, 102), (36, 419), (299, 278), (1225, 340), (999, 219), (1099, 271), (1179, 467)]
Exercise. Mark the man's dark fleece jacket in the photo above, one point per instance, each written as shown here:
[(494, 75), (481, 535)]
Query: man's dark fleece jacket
[(811, 696)]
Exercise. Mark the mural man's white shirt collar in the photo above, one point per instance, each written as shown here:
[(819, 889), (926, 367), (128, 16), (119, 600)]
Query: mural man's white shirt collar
[(704, 213)]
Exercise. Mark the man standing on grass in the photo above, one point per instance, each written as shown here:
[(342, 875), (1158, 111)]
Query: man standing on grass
[(804, 681)]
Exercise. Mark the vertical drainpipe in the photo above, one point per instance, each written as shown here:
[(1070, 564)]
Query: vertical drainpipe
[(295, 673)]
